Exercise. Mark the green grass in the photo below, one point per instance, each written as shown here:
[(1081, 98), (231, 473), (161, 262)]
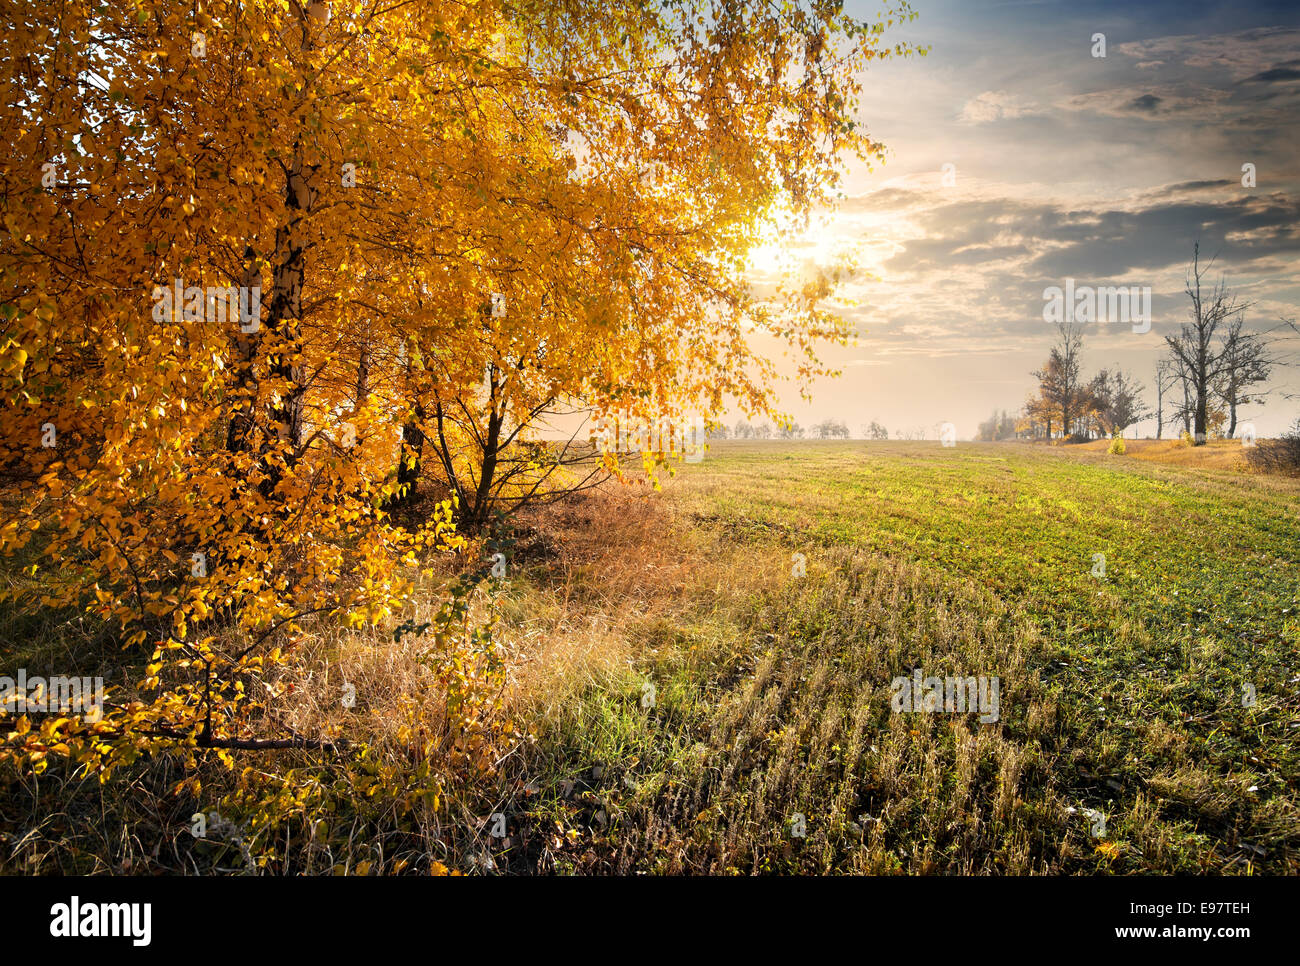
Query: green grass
[(1122, 695)]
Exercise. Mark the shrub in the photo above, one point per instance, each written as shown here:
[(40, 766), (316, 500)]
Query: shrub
[(1116, 446), (1281, 455)]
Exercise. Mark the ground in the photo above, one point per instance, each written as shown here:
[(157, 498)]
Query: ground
[(700, 699), (1149, 710)]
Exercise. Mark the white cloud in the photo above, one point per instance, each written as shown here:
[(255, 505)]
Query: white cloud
[(993, 106)]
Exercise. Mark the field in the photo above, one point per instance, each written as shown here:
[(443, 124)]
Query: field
[(1128, 739), (700, 699)]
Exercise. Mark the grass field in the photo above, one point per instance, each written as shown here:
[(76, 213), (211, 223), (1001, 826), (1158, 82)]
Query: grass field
[(1127, 739), (697, 704)]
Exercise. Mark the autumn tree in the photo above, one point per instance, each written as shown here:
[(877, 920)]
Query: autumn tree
[(255, 251), (1060, 379)]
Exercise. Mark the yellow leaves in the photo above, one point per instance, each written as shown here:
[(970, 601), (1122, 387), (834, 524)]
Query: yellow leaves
[(396, 280), (13, 361), (1109, 850)]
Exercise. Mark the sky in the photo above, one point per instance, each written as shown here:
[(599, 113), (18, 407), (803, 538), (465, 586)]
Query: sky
[(1105, 170)]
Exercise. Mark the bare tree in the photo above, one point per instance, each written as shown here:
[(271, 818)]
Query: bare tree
[(1193, 347), (1247, 360)]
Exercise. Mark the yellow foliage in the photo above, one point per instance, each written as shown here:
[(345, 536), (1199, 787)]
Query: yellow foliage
[(248, 252)]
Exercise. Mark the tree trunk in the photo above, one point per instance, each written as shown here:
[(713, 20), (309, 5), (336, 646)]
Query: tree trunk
[(363, 375), (412, 452), (491, 447), (240, 431), (285, 313)]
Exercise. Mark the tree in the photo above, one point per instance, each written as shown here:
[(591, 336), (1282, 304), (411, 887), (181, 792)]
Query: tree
[(1246, 361), (876, 431), (1059, 380), (258, 254), (831, 428), (997, 427), (1201, 364), (1116, 400)]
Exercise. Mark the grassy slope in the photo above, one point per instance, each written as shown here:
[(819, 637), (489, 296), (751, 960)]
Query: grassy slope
[(772, 692)]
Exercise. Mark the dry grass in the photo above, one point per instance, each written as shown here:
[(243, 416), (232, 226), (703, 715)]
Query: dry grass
[(1217, 454)]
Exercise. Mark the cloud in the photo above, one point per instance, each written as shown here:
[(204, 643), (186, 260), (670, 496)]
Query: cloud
[(1237, 55), (993, 106), (965, 273), (1144, 101), (1275, 75), (1187, 187)]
